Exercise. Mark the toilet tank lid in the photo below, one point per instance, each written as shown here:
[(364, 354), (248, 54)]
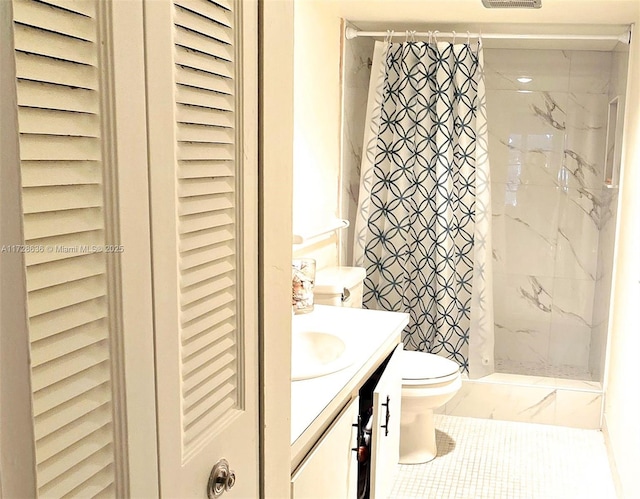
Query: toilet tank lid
[(332, 280), (422, 365)]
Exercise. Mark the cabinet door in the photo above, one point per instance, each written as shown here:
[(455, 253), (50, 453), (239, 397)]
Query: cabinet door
[(331, 469), (385, 431)]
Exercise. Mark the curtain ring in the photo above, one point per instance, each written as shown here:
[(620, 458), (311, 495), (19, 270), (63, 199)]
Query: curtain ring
[(389, 36), (468, 38), (430, 37), (435, 36), (454, 38), (413, 35)]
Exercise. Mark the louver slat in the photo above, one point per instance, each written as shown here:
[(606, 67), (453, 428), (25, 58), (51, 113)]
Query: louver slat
[(64, 367), (57, 57), (40, 15), (51, 96), (206, 339), (52, 173), (204, 323), (189, 132), (48, 122), (225, 399), (208, 10), (54, 45), (80, 7), (212, 302), (204, 204), (61, 320), (66, 295), (63, 271), (68, 341), (70, 412), (208, 237), (194, 22), (56, 442), (99, 485), (203, 221), (194, 40), (78, 464), (67, 389), (201, 257), (203, 116), (37, 226), (39, 68), (61, 197)]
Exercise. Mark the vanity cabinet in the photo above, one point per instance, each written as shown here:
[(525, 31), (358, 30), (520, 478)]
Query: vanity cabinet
[(329, 470)]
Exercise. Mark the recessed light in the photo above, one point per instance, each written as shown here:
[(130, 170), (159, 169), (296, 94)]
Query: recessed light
[(524, 79)]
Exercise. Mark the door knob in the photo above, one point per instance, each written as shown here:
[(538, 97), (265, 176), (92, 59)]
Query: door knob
[(221, 479)]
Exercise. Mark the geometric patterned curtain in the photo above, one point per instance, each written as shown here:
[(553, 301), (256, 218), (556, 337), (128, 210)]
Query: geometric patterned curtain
[(424, 212)]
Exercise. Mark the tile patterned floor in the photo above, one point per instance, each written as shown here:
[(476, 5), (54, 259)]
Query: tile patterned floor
[(487, 459), (538, 369)]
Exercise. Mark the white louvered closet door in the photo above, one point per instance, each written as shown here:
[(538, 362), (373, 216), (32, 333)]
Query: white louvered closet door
[(202, 101), (69, 271)]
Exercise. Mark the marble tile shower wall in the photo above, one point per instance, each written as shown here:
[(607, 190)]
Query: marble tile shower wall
[(547, 142), (617, 88), (357, 71)]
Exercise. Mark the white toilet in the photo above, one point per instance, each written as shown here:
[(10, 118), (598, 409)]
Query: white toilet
[(428, 382)]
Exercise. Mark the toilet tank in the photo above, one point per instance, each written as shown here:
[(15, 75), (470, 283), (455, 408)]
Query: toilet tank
[(339, 286)]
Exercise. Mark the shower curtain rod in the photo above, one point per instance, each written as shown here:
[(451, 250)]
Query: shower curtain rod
[(351, 33)]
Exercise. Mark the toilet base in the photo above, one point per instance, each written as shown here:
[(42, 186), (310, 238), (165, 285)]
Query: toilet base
[(417, 438)]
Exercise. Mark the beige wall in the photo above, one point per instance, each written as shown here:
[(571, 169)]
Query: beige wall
[(317, 108), (622, 402)]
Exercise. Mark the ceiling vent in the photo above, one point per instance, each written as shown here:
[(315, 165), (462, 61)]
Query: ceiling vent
[(512, 4)]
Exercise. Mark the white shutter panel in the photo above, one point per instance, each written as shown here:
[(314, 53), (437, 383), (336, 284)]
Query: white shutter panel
[(57, 50), (206, 201)]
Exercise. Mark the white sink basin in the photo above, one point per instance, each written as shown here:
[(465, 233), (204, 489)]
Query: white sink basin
[(315, 353)]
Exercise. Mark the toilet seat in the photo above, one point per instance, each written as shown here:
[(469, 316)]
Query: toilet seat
[(421, 368)]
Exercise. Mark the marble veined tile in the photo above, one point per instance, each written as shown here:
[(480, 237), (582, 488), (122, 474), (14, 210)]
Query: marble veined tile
[(578, 409), (547, 69), (357, 62), (569, 344), (520, 248), (525, 228), (573, 302), (522, 314), (587, 111), (577, 241), (590, 71), (522, 341), (534, 404), (526, 136)]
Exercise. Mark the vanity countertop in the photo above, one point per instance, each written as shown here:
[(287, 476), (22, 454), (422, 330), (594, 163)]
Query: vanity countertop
[(371, 334)]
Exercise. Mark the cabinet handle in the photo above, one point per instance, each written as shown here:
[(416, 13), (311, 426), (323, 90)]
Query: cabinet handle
[(386, 419)]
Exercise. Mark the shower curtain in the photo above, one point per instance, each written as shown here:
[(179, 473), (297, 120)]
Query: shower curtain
[(423, 225)]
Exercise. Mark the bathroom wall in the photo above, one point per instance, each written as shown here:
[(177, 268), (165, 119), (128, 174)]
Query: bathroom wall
[(546, 142), (357, 72), (317, 107)]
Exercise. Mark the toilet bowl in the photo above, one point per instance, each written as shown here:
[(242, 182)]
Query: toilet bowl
[(428, 382)]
